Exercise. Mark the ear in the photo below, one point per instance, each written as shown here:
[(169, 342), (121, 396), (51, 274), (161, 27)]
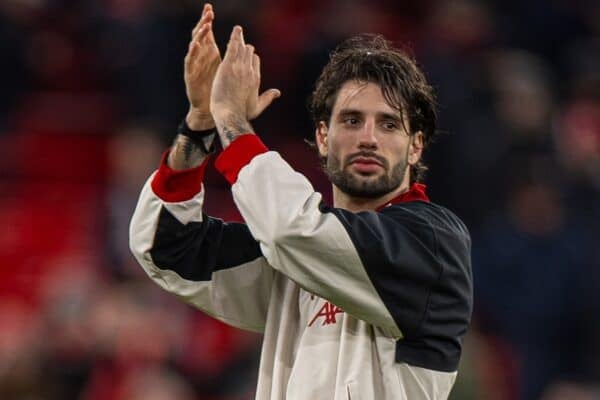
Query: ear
[(321, 138), (415, 148)]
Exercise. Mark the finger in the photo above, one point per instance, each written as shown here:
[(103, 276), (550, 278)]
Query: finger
[(196, 27), (201, 34), (191, 55), (207, 16), (256, 64), (235, 43), (265, 99), (194, 47), (248, 54), (200, 24), (209, 37), (237, 35)]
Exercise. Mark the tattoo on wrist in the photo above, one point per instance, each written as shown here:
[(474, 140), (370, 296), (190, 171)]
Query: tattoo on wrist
[(189, 148), (232, 127), (187, 154)]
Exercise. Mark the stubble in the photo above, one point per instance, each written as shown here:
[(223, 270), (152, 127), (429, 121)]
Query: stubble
[(360, 186)]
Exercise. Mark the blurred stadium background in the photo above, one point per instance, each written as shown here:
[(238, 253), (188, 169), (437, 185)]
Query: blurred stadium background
[(91, 92)]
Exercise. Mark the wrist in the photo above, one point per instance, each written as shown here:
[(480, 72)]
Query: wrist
[(230, 126), (224, 115), (198, 120), (185, 154), (201, 139)]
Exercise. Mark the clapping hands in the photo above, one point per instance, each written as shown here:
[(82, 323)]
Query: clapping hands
[(217, 89)]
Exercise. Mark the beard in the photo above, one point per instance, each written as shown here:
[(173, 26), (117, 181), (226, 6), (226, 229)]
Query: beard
[(364, 186)]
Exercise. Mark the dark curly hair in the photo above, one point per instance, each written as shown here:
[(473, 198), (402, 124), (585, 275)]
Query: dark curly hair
[(372, 58)]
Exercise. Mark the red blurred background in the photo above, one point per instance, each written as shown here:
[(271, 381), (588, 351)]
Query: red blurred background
[(91, 93)]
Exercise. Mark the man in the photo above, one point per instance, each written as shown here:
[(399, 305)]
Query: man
[(369, 299)]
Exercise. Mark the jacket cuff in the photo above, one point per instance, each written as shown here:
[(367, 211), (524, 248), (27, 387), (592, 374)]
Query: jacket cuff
[(238, 154), (175, 186)]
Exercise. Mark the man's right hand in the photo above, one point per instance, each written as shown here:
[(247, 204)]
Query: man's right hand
[(200, 66)]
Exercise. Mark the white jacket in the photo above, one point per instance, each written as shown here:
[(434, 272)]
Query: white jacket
[(370, 305)]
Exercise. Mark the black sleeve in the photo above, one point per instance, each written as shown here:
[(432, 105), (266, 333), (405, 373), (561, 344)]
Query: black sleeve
[(196, 250), (406, 269), (215, 266), (417, 255)]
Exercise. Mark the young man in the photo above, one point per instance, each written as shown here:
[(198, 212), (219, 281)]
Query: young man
[(369, 299)]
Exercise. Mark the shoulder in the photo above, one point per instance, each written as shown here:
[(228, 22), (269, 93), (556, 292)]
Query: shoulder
[(431, 215)]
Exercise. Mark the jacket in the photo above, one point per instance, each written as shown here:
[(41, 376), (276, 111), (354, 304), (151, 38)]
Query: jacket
[(368, 305)]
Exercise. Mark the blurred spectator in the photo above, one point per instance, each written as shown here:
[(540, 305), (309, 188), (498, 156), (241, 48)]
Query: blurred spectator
[(134, 153), (92, 93), (530, 261), (577, 138), (514, 124)]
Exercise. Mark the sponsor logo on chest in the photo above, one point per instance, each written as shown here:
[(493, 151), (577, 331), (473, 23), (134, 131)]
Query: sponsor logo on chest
[(326, 315)]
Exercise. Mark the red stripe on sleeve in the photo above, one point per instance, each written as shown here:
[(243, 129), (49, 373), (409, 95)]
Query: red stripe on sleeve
[(238, 154), (175, 186)]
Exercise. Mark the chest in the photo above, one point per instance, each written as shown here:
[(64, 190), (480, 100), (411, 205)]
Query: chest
[(319, 314)]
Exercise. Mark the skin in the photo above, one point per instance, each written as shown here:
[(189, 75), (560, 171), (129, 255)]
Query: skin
[(366, 148), (234, 97), (365, 144), (201, 65)]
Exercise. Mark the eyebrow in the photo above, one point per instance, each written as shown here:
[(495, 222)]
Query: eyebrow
[(350, 111), (381, 115)]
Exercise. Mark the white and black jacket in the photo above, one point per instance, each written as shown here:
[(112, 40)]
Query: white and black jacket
[(369, 305)]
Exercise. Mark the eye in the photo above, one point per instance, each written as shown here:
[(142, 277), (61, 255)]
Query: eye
[(389, 125), (351, 121)]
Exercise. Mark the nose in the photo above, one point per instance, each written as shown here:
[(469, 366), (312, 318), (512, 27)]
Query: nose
[(367, 138)]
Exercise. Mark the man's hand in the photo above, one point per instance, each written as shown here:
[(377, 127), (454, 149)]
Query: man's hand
[(200, 66), (234, 97)]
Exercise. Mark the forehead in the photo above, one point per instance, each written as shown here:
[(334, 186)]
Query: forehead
[(362, 96)]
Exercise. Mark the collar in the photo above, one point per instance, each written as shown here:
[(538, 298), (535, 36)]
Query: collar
[(415, 193)]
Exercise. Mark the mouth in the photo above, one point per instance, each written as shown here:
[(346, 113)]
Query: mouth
[(366, 165)]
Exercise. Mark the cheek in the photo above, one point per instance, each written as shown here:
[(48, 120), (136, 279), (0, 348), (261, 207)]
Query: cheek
[(335, 147), (394, 150)]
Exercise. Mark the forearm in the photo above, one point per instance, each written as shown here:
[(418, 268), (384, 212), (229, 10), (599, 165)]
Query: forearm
[(200, 259), (185, 153), (230, 126)]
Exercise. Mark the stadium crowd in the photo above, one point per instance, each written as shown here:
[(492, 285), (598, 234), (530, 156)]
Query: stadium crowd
[(518, 86)]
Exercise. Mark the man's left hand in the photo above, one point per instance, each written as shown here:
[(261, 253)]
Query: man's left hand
[(234, 96)]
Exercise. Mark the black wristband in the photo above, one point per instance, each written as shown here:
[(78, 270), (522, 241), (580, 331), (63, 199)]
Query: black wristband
[(197, 137)]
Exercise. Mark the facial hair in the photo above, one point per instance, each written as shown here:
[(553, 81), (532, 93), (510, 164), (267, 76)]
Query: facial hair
[(355, 185)]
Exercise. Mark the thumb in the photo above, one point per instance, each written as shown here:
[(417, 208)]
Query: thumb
[(265, 100)]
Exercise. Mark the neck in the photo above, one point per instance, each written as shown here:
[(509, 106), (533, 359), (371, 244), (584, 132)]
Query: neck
[(356, 204)]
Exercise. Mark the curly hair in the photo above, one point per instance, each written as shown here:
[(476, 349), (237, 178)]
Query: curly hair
[(372, 58)]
